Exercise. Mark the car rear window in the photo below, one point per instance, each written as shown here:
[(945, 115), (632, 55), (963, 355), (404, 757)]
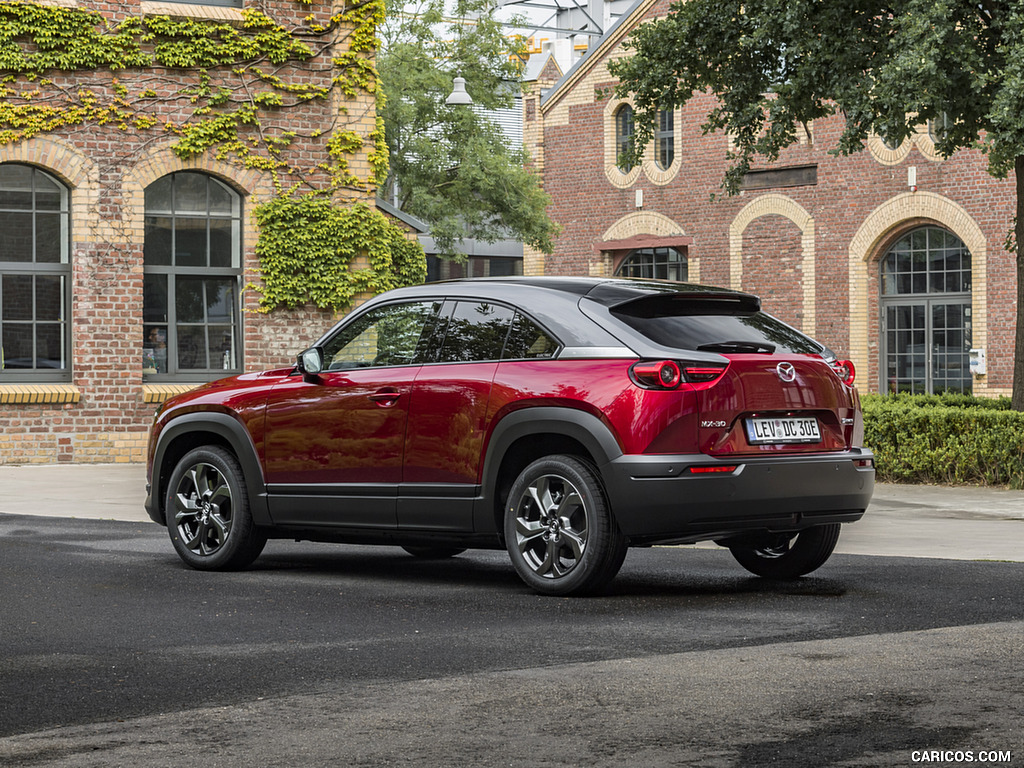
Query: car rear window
[(713, 325)]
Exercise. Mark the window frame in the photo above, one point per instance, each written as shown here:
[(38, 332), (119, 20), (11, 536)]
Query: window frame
[(640, 258), (36, 269), (927, 301), (624, 130), (173, 272), (665, 136)]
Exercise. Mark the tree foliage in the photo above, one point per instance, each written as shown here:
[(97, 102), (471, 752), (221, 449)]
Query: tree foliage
[(450, 165), (883, 68)]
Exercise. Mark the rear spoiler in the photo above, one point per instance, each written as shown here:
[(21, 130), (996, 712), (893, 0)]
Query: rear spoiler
[(697, 303)]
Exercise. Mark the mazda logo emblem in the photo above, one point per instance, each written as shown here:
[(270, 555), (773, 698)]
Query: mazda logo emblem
[(786, 372)]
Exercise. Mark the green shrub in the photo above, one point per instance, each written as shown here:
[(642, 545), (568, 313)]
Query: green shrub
[(947, 439)]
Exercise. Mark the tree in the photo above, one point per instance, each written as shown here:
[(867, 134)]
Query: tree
[(450, 165), (884, 67)]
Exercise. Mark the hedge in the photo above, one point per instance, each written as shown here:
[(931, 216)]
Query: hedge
[(945, 439)]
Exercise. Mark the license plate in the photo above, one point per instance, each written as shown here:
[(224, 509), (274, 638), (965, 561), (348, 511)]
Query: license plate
[(785, 430)]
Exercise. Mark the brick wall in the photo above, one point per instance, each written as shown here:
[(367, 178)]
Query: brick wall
[(810, 251), (103, 413)]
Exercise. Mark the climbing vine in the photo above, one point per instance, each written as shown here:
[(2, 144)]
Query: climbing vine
[(307, 248), (279, 99)]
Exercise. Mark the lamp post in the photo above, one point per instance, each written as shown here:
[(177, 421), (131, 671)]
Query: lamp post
[(459, 94)]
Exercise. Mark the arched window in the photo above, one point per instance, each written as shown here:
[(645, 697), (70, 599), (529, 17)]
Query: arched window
[(657, 263), (35, 275), (926, 305), (665, 140), (623, 134), (193, 268)]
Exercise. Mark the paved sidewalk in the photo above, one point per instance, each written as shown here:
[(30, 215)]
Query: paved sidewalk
[(903, 520)]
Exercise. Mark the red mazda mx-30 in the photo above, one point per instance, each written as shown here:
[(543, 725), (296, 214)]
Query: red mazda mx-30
[(562, 419)]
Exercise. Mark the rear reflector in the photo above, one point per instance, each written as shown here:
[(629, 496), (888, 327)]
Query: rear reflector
[(711, 470)]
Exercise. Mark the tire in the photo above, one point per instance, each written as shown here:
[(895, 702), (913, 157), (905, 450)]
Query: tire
[(559, 530), (207, 512), (434, 553), (789, 556)]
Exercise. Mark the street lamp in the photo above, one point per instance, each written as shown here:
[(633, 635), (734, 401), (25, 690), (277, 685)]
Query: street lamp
[(459, 95)]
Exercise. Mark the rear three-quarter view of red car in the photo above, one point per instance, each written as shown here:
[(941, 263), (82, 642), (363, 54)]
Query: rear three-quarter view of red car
[(562, 419)]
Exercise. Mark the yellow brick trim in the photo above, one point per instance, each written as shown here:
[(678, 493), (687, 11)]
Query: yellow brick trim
[(616, 175), (188, 10), (778, 205), (863, 264), (642, 223), (921, 139), (610, 47), (32, 394), (158, 393)]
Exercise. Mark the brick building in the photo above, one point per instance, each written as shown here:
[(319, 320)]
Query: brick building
[(125, 268), (894, 257)]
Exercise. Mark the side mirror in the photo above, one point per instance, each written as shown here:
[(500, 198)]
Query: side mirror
[(311, 362)]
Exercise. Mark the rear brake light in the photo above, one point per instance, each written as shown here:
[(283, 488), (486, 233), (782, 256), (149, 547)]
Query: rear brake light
[(698, 374), (664, 374), (668, 374), (844, 370)]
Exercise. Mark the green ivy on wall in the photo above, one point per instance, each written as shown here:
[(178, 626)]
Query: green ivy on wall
[(307, 247), (230, 87)]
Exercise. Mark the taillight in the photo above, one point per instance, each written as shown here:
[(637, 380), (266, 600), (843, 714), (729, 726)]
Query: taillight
[(700, 374), (668, 374), (844, 370), (664, 374)]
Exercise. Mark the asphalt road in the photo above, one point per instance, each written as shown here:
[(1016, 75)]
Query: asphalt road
[(115, 654)]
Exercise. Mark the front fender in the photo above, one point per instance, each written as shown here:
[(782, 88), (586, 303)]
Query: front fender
[(192, 430)]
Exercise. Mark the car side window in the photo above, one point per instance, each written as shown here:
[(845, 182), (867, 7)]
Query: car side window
[(527, 340), (476, 332), (387, 335)]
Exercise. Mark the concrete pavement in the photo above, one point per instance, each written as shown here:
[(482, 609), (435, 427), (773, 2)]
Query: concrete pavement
[(962, 523)]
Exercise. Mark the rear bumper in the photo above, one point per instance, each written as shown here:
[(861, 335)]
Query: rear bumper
[(659, 499)]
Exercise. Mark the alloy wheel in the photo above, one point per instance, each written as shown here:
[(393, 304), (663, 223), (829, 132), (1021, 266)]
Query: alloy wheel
[(551, 526), (203, 509)]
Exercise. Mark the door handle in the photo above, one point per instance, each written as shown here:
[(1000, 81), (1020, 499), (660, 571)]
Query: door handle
[(385, 398)]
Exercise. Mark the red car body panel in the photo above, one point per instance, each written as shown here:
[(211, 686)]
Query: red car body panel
[(423, 450)]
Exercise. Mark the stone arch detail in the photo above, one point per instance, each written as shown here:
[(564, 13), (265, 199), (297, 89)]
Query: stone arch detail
[(73, 168), (644, 223), (161, 160), (615, 175), (61, 159), (865, 250), (777, 205)]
